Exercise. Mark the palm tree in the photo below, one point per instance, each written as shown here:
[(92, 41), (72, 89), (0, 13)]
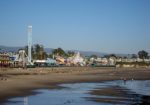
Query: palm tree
[(39, 51)]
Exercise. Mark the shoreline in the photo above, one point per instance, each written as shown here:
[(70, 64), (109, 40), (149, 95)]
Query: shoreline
[(21, 82)]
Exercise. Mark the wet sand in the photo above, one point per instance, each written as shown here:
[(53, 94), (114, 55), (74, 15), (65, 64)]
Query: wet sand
[(119, 95), (19, 82), (114, 95)]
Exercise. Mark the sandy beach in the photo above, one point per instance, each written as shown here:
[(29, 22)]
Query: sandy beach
[(20, 82)]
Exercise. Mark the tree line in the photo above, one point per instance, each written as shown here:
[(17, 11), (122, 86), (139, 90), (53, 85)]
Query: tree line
[(38, 52)]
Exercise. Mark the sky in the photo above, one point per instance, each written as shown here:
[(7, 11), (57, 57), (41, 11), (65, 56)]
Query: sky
[(111, 26)]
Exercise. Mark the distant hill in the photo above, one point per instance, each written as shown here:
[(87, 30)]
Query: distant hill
[(9, 49), (15, 49), (49, 50)]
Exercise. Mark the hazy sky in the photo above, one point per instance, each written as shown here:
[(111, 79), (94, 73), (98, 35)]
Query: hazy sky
[(112, 26)]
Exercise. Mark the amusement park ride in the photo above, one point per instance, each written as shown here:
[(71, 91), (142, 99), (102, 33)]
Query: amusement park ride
[(25, 59), (21, 59), (29, 44)]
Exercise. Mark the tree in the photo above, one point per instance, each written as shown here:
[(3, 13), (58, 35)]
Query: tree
[(38, 48), (38, 52), (134, 56), (106, 56), (70, 53), (59, 51), (26, 49), (51, 56), (32, 51), (113, 55), (94, 56), (143, 54), (110, 55), (44, 55)]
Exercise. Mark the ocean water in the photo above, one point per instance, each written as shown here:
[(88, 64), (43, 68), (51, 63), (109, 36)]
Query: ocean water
[(78, 94)]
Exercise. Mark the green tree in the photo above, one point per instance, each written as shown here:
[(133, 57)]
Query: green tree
[(113, 55), (93, 56), (59, 51), (44, 55), (26, 49), (110, 55), (39, 52), (51, 56), (134, 56), (143, 54), (32, 51)]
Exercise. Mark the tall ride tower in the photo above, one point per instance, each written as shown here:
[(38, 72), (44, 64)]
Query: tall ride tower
[(29, 43)]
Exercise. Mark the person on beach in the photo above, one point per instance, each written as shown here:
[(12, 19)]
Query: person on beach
[(124, 79)]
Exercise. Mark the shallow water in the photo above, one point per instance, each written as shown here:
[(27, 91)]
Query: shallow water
[(78, 94)]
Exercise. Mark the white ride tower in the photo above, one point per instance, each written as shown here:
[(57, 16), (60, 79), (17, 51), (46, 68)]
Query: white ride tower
[(29, 44)]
